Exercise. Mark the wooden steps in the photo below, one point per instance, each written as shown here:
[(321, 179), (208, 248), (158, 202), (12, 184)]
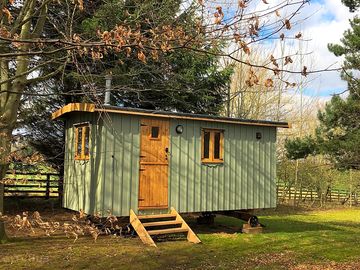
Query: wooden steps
[(157, 216), (167, 231), (160, 224)]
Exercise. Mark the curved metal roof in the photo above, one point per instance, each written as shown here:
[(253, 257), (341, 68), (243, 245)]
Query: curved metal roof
[(87, 107)]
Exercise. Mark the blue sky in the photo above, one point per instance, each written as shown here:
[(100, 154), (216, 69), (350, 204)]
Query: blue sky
[(327, 23)]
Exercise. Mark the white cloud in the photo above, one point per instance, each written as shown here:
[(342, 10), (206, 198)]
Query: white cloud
[(321, 22), (326, 26), (327, 23)]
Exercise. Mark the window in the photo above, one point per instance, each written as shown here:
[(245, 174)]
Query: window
[(155, 132), (212, 146), (82, 141)]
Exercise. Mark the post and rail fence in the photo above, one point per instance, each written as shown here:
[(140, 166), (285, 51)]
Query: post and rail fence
[(50, 185), (340, 196), (33, 184)]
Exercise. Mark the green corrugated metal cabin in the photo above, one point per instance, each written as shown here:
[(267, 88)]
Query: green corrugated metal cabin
[(117, 159)]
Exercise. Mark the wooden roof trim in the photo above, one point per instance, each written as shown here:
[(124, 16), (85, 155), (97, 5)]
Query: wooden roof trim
[(73, 107), (193, 118)]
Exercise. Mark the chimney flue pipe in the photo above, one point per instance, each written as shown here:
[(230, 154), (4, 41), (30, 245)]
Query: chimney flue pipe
[(108, 79)]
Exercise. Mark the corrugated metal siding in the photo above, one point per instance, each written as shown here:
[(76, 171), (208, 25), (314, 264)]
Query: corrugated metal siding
[(246, 180), (77, 185), (109, 180)]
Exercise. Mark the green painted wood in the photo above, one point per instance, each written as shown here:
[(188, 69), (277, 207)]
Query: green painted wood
[(109, 181), (246, 180)]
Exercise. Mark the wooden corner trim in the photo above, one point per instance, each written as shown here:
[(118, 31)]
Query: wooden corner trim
[(73, 107)]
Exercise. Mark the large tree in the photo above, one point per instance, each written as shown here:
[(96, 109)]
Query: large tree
[(180, 80)]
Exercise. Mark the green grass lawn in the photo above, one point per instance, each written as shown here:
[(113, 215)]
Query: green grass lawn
[(306, 240)]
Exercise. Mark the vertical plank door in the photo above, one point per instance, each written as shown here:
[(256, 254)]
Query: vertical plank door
[(154, 149)]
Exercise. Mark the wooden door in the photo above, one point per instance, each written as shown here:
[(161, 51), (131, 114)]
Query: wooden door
[(154, 149)]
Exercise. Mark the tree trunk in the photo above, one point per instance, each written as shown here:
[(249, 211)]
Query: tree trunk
[(3, 237), (9, 105), (5, 146), (11, 91)]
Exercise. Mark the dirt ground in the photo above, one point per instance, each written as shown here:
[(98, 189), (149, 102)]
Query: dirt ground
[(293, 239)]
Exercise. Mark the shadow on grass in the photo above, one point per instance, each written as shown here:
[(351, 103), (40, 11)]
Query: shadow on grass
[(284, 219), (14, 205), (282, 224)]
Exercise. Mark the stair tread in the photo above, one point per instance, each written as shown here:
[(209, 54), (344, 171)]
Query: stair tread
[(156, 216), (167, 231), (162, 223)]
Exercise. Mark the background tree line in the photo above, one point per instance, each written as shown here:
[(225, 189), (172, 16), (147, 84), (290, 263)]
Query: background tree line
[(330, 153)]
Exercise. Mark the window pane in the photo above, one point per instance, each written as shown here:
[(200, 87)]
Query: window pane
[(154, 132), (86, 134), (79, 140), (217, 146), (206, 144)]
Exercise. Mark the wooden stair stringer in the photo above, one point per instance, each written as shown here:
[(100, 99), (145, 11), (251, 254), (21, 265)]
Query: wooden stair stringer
[(140, 229), (191, 236)]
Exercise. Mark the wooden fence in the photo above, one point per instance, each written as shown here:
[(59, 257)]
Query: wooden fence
[(310, 195), (47, 185), (25, 184)]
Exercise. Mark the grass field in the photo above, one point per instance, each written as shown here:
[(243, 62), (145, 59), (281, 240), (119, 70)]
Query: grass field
[(292, 240)]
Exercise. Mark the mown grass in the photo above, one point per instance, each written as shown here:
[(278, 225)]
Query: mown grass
[(328, 239)]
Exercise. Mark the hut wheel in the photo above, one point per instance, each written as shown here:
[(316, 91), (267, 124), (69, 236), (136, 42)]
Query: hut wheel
[(253, 221)]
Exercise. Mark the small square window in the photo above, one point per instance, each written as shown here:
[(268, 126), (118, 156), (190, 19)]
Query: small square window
[(155, 132)]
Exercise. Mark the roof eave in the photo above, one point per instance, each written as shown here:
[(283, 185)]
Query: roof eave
[(73, 107), (88, 107)]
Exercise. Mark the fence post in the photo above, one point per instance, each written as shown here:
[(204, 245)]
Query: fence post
[(47, 194), (61, 189)]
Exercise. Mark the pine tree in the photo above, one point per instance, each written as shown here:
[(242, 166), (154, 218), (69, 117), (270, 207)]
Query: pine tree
[(339, 129), (338, 134), (181, 80)]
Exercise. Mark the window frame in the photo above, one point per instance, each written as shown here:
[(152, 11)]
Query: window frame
[(83, 127), (211, 159)]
